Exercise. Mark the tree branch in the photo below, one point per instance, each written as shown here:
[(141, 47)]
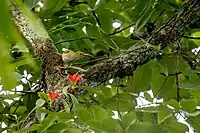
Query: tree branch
[(119, 66), (121, 29), (124, 64), (41, 45)]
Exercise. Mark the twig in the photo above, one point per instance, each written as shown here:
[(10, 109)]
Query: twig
[(172, 74), (95, 16), (177, 87), (190, 37), (121, 29)]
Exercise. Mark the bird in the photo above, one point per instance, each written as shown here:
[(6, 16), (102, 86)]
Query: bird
[(69, 56)]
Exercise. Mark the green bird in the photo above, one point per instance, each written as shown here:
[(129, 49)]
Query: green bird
[(68, 56)]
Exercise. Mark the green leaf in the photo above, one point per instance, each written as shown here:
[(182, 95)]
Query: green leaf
[(163, 115), (93, 31), (47, 122), (190, 81), (111, 125), (188, 105), (58, 127), (146, 16), (129, 119), (30, 3), (148, 97), (43, 96), (112, 5), (83, 114), (7, 77), (99, 113), (74, 100), (52, 6), (144, 127), (163, 86), (173, 126), (87, 42), (121, 101), (173, 103), (105, 16), (7, 29), (106, 91), (123, 42), (194, 121), (21, 110), (40, 103), (170, 62), (142, 78), (97, 125), (67, 107), (40, 115), (73, 130), (17, 76), (63, 116), (33, 127)]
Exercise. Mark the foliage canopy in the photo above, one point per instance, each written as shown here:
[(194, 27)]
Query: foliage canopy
[(160, 92)]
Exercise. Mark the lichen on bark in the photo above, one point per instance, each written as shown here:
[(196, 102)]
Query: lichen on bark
[(119, 66)]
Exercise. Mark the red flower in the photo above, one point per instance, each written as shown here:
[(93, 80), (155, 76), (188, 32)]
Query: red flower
[(53, 95), (74, 78)]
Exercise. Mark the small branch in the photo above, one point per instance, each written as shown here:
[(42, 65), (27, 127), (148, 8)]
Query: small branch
[(177, 87), (95, 16), (173, 74), (75, 39), (121, 29), (190, 37)]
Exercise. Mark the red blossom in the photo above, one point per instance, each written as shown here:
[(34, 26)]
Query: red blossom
[(74, 78), (53, 95)]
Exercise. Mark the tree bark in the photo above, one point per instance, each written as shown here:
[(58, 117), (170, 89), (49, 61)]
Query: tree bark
[(119, 66), (124, 64)]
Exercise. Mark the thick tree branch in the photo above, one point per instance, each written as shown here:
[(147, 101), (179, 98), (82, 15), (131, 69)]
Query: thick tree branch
[(173, 29), (124, 64), (41, 45), (119, 66)]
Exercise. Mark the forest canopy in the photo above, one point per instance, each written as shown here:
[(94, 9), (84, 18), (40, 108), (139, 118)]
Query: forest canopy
[(100, 66)]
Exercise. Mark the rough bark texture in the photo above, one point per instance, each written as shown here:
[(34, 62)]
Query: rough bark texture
[(173, 29), (126, 63), (42, 46), (119, 66)]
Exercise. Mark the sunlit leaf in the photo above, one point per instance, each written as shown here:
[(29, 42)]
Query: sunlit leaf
[(40, 103)]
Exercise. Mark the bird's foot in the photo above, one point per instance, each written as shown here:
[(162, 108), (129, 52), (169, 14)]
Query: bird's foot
[(59, 54), (61, 67)]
